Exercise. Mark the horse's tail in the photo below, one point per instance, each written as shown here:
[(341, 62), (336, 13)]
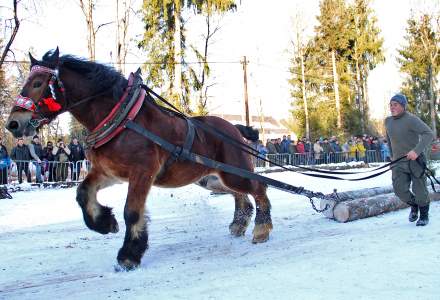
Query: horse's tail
[(248, 132)]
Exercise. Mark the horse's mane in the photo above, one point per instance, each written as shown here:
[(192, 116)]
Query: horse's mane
[(100, 76)]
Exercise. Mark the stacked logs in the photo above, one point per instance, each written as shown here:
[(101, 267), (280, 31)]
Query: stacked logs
[(354, 205)]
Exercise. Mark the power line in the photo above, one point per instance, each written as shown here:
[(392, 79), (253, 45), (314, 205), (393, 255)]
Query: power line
[(142, 63), (291, 72)]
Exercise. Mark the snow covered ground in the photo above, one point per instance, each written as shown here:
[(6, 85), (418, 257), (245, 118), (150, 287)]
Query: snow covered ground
[(48, 253)]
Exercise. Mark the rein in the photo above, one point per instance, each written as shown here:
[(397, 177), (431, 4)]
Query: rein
[(248, 149), (426, 171)]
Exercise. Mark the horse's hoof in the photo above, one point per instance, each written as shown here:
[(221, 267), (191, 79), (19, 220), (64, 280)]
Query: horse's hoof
[(237, 229), (260, 239), (105, 222), (126, 265), (261, 233)]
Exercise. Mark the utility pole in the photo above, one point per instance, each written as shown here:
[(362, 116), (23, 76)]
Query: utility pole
[(262, 120), (246, 103), (178, 57)]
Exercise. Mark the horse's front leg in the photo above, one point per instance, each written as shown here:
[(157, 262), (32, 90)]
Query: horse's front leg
[(96, 216), (136, 235)]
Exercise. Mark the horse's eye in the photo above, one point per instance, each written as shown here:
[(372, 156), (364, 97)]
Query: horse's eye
[(37, 84)]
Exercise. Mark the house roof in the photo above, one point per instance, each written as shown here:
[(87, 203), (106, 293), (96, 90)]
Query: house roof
[(272, 127)]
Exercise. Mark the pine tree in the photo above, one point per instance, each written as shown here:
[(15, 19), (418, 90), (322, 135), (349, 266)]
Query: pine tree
[(332, 39), (316, 82), (420, 60), (337, 61), (164, 41), (365, 52)]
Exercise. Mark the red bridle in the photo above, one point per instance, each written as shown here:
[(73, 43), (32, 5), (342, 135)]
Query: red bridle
[(31, 105)]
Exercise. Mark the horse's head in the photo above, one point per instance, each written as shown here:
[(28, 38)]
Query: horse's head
[(41, 98)]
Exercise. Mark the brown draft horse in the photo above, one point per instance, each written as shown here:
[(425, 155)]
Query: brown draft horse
[(129, 156)]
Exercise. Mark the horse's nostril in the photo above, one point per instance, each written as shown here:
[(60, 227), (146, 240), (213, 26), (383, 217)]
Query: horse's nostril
[(13, 125)]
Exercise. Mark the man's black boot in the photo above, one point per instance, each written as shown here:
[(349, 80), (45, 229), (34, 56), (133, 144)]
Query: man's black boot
[(424, 218), (414, 213)]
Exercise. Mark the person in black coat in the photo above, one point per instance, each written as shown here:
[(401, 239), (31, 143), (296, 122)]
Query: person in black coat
[(21, 155), (376, 147), (49, 160), (76, 157)]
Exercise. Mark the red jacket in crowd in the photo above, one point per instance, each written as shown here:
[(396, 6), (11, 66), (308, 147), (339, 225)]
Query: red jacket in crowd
[(300, 148)]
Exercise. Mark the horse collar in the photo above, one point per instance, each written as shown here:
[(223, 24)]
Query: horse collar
[(125, 110)]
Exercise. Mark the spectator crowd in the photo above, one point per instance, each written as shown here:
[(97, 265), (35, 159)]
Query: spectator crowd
[(325, 150), (50, 163)]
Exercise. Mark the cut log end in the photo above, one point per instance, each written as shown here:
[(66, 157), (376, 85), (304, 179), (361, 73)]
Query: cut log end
[(341, 212)]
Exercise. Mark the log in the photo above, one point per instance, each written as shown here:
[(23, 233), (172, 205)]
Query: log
[(364, 193), (347, 211), (359, 194), (351, 195)]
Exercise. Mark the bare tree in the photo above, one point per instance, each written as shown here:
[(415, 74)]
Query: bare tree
[(122, 22), (201, 79), (14, 24), (88, 7)]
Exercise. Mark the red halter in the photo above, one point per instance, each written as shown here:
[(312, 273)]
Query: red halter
[(29, 104), (25, 102)]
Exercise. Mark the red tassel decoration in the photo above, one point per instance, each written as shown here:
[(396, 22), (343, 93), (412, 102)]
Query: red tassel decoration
[(52, 105)]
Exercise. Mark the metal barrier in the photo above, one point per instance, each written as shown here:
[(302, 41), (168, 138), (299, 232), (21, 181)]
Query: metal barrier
[(311, 158), (46, 171), (281, 158), (303, 159)]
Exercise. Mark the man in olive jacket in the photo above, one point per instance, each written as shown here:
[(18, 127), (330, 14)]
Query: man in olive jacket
[(409, 136)]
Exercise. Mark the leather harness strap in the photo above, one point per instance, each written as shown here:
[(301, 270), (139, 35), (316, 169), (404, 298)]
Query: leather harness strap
[(180, 152)]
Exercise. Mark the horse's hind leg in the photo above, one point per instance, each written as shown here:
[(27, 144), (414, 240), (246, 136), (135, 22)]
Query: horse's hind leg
[(136, 235), (242, 214), (263, 221), (96, 216)]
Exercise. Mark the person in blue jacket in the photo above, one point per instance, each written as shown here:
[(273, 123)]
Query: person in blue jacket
[(5, 163)]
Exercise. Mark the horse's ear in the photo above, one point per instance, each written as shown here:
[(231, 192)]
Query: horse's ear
[(55, 58), (33, 60)]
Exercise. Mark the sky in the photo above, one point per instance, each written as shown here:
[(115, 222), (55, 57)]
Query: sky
[(261, 32)]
